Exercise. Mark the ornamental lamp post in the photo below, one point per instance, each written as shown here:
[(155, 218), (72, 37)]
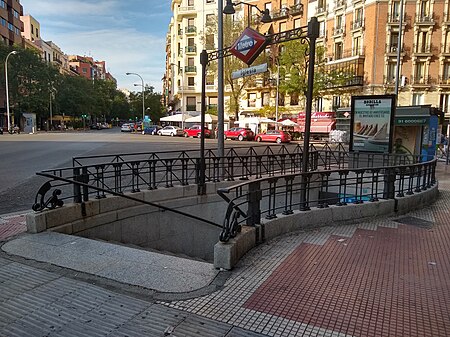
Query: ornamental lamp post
[(7, 89), (229, 9), (143, 99)]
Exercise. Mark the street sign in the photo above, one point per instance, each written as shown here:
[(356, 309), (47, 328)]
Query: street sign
[(261, 68), (249, 45)]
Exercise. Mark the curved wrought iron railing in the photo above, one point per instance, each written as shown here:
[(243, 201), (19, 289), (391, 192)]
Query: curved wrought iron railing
[(266, 197)]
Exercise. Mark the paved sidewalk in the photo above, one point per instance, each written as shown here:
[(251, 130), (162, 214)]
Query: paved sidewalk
[(384, 277)]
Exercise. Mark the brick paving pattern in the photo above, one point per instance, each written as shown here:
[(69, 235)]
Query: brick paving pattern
[(11, 225), (385, 277)]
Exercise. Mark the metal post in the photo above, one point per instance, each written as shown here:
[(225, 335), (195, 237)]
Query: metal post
[(399, 46), (278, 94), (143, 104), (201, 185), (7, 89), (143, 98), (220, 86), (51, 110), (313, 34)]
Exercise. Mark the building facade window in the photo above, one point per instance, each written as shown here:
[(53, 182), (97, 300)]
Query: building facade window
[(417, 99), (444, 102), (251, 100), (191, 103), (265, 99), (338, 50), (191, 81), (294, 98), (2, 4), (210, 79), (190, 3), (391, 72)]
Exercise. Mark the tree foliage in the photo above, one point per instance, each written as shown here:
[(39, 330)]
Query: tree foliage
[(293, 62), (32, 83)]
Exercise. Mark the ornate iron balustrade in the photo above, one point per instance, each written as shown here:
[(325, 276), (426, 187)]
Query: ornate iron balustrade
[(248, 202), (122, 173)]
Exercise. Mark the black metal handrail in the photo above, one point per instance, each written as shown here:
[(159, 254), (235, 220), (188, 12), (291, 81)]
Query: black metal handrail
[(131, 173), (269, 196)]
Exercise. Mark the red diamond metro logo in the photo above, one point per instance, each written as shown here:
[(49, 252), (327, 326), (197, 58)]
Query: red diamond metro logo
[(249, 45)]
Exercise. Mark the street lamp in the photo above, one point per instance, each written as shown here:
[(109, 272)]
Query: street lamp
[(180, 71), (7, 90), (143, 99), (229, 9)]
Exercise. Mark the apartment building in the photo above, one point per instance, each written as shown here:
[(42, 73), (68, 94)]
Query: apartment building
[(360, 38), (369, 31), (10, 24), (261, 90), (187, 36)]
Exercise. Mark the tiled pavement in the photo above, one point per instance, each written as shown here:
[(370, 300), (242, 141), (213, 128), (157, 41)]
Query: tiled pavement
[(384, 277), (11, 225)]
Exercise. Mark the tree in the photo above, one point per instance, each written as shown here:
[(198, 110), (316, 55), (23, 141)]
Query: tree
[(293, 62), (152, 103)]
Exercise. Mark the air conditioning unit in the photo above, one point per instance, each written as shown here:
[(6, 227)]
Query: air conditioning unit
[(393, 49)]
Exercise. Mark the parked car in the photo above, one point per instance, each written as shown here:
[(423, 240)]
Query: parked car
[(170, 131), (239, 134), (195, 131), (277, 136), (126, 127), (152, 129)]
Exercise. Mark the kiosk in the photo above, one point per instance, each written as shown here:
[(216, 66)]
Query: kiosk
[(416, 130)]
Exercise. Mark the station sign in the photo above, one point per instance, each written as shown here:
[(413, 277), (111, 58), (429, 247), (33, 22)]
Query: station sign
[(249, 45), (261, 68)]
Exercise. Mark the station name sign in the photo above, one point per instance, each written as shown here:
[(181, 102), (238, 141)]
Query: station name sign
[(261, 68), (249, 45)]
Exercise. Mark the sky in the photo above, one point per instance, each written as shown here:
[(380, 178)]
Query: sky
[(129, 35)]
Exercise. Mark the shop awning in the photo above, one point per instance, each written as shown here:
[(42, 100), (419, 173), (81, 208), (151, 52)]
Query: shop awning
[(323, 125)]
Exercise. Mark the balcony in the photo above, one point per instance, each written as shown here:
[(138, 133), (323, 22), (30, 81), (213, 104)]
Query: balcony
[(391, 50), (281, 13), (424, 50), (358, 24), (296, 9), (191, 49), (190, 69), (339, 3), (346, 54), (321, 10), (394, 19), (211, 87), (187, 10), (425, 19), (338, 30), (186, 88), (190, 30), (285, 12), (389, 80), (444, 80), (420, 80)]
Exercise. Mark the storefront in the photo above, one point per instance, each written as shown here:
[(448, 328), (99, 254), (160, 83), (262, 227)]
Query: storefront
[(416, 130)]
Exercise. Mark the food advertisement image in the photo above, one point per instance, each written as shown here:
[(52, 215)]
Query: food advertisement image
[(372, 124)]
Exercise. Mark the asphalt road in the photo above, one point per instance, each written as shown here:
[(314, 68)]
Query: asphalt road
[(21, 156)]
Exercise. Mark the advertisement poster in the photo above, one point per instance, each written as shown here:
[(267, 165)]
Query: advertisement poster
[(372, 123)]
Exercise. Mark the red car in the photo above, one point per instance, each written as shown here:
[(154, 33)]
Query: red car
[(277, 136), (239, 134), (195, 131)]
